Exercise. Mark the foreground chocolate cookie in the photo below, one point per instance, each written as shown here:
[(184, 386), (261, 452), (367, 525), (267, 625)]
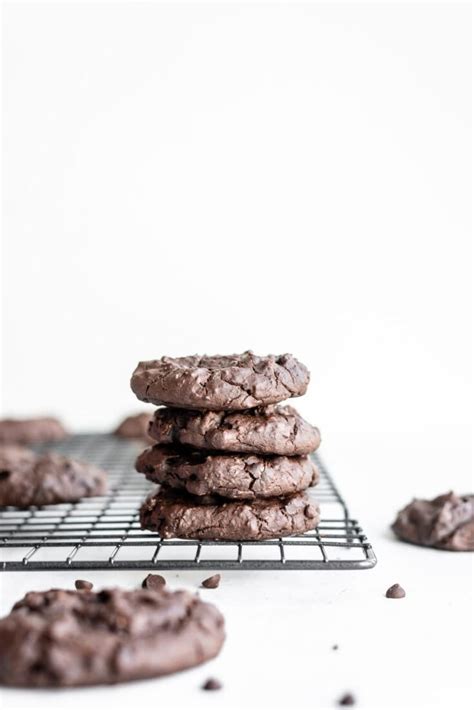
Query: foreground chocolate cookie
[(446, 522), (173, 514), (31, 431), (71, 638), (266, 430), (27, 478), (135, 427), (227, 475), (228, 382)]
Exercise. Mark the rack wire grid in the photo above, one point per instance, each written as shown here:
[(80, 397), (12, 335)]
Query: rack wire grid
[(104, 532)]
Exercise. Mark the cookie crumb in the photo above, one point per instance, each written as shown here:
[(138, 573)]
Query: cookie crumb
[(83, 585), (211, 582), (153, 581), (212, 684), (395, 592), (347, 699)]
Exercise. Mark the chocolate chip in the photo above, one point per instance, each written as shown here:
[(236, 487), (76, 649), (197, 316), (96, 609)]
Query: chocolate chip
[(335, 647), (395, 592), (310, 511), (83, 585), (104, 596), (212, 684), (347, 699), (212, 582), (154, 581)]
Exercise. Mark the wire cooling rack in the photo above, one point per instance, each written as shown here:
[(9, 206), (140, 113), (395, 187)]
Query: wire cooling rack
[(105, 533)]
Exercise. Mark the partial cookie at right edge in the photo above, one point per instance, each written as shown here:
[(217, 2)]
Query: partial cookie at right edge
[(173, 514), (446, 522), (273, 429)]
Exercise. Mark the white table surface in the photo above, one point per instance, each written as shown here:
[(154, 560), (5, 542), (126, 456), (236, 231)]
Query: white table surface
[(415, 652)]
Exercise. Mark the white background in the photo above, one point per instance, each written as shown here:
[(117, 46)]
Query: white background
[(282, 177)]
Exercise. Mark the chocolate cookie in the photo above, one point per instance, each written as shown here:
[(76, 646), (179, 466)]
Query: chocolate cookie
[(227, 475), (28, 479), (71, 638), (229, 382), (135, 427), (31, 431), (266, 430), (173, 514), (446, 522)]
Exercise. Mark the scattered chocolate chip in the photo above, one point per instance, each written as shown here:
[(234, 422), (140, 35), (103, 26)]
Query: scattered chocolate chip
[(212, 683), (153, 581), (212, 582), (347, 699), (335, 647), (395, 592), (82, 584)]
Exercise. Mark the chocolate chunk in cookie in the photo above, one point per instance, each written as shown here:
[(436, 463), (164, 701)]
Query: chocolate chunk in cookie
[(220, 382), (173, 514), (31, 431), (27, 478), (135, 427), (227, 475), (73, 638), (273, 429), (446, 522)]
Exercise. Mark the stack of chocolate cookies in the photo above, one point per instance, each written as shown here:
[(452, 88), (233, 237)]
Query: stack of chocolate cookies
[(233, 464)]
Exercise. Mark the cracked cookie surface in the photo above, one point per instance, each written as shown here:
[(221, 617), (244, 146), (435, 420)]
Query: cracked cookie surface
[(446, 522), (228, 475), (267, 430), (173, 514), (63, 638), (27, 478), (220, 382)]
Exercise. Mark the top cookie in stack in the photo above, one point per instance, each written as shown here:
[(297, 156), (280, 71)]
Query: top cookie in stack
[(233, 465)]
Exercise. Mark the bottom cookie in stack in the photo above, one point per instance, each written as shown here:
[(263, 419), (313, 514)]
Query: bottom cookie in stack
[(177, 514)]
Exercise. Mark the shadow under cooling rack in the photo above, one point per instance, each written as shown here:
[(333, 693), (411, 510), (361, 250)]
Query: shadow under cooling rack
[(104, 532)]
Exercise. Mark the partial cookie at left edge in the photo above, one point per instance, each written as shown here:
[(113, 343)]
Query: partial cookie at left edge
[(27, 478), (63, 638), (31, 431)]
